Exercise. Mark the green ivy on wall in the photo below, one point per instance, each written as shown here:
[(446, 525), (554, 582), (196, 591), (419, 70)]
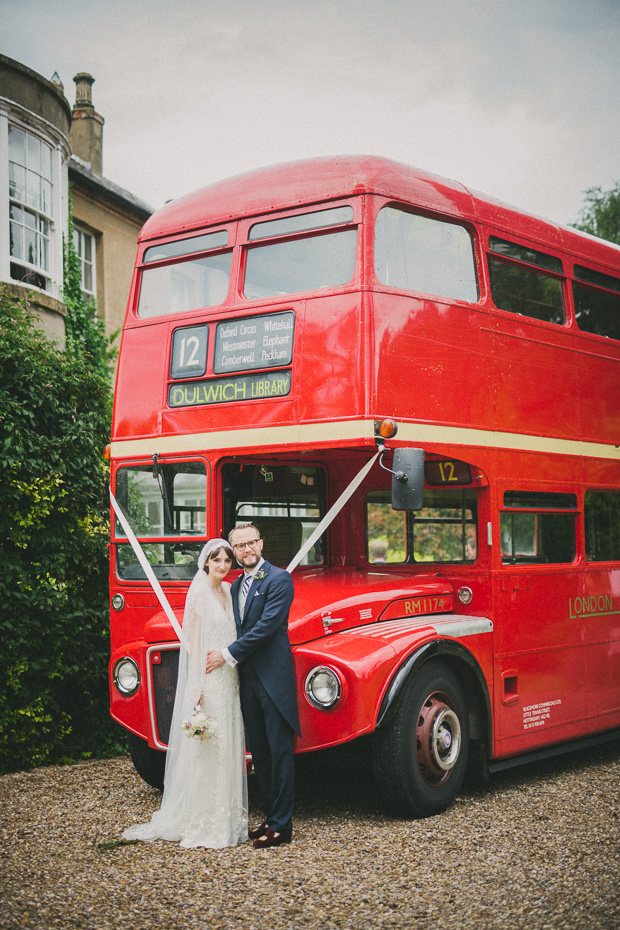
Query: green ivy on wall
[(55, 413)]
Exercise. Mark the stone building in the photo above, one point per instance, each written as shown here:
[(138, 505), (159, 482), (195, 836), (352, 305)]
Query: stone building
[(45, 145)]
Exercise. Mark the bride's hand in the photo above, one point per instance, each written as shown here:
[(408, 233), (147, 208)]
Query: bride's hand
[(214, 660)]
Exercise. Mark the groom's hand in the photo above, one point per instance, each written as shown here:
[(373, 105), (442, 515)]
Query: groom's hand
[(214, 660)]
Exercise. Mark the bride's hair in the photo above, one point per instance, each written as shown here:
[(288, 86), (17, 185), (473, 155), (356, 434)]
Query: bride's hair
[(216, 552)]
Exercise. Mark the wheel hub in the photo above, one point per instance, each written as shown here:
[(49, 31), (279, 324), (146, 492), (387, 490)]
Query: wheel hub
[(438, 739)]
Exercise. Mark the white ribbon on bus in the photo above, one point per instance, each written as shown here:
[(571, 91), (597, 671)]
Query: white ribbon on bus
[(148, 571), (318, 532)]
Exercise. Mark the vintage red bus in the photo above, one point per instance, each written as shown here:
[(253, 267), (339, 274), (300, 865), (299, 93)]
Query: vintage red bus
[(275, 321)]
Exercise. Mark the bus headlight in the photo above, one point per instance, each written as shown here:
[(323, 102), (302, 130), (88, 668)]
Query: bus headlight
[(126, 676), (323, 687)]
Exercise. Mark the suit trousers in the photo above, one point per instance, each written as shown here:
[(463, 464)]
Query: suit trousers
[(271, 741)]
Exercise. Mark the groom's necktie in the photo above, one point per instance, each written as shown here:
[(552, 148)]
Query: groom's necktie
[(245, 587)]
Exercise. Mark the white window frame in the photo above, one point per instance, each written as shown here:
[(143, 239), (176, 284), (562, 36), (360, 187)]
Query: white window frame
[(82, 236), (14, 114)]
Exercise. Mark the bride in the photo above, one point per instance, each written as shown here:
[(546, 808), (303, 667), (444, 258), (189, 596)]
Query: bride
[(205, 790)]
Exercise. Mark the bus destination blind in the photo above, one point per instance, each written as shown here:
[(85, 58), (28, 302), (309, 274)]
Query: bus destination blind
[(254, 342), (230, 390)]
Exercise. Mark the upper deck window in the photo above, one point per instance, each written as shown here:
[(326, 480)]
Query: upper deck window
[(185, 285), (301, 222), (421, 254), (596, 310), (293, 266), (159, 253), (527, 291)]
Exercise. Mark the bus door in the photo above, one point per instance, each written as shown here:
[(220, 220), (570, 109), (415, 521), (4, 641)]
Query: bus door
[(540, 687), (599, 608)]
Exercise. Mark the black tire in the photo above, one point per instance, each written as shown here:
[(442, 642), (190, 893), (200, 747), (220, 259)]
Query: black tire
[(148, 763), (420, 756)]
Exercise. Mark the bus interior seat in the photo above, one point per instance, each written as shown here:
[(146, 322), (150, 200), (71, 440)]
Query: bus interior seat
[(282, 539)]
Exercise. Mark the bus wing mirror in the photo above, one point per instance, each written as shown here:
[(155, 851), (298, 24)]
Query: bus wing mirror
[(408, 479)]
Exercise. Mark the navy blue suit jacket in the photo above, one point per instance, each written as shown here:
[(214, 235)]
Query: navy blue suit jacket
[(262, 640)]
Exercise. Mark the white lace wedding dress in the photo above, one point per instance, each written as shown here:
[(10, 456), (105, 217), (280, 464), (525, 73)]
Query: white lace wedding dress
[(205, 789)]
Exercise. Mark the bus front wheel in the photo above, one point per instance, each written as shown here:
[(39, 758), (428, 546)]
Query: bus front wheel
[(420, 757), (148, 763)]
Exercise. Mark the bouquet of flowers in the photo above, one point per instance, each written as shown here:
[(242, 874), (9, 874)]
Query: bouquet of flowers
[(199, 727)]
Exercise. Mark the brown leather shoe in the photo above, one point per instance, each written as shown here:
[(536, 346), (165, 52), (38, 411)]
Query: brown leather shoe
[(271, 838), (258, 831)]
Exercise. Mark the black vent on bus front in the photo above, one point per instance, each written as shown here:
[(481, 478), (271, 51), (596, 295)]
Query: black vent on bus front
[(164, 688)]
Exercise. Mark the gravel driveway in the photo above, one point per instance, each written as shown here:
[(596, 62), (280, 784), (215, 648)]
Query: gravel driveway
[(538, 848)]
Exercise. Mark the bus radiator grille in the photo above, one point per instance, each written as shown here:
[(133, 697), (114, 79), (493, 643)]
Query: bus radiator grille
[(164, 688)]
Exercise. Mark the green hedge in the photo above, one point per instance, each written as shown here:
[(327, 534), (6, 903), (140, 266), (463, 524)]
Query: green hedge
[(54, 423)]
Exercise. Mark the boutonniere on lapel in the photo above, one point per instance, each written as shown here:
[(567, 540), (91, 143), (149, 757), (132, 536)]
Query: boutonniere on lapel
[(260, 575)]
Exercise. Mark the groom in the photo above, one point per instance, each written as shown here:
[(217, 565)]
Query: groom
[(262, 598)]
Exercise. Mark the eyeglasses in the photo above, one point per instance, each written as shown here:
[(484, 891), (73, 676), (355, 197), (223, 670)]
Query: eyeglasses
[(246, 545)]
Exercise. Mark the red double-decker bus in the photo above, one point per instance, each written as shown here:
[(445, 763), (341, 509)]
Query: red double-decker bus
[(283, 328)]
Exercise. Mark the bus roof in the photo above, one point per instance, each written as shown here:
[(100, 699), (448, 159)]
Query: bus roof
[(285, 186), (315, 180)]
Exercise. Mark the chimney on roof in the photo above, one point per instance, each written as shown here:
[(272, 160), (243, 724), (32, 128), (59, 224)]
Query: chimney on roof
[(86, 133)]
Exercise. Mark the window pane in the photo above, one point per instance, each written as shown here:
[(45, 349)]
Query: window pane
[(33, 193), (159, 253), (538, 537), (301, 265), (386, 529), (34, 154), (445, 529), (30, 246), (598, 278), (602, 524), (46, 197), (291, 224), (172, 504), (425, 255), (16, 240), (46, 161), (17, 182), (597, 312), (522, 290), (185, 286), (286, 502), (523, 254), (169, 561), (43, 253), (543, 500), (17, 145)]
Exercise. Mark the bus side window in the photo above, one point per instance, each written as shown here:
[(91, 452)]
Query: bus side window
[(430, 256), (597, 311), (386, 539), (540, 537), (529, 291), (602, 522), (519, 537), (444, 530)]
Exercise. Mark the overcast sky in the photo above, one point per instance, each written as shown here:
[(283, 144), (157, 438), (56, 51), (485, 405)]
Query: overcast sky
[(517, 98)]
